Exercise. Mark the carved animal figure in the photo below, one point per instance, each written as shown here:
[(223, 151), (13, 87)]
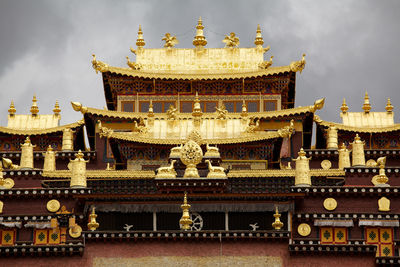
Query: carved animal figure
[(141, 128), (253, 126), (176, 151), (212, 151), (167, 172), (214, 171)]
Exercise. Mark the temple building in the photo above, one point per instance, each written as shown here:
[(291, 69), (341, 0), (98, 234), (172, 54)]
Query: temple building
[(200, 158)]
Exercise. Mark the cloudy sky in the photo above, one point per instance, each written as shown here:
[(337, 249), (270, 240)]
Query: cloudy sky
[(46, 46)]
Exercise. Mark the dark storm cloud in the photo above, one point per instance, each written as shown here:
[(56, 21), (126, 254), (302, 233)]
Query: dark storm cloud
[(46, 46)]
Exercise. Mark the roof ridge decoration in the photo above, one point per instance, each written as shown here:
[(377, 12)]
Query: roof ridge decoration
[(340, 126), (34, 107), (7, 130), (12, 109)]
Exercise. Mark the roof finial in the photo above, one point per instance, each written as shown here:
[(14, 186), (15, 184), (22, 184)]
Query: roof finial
[(366, 106), (56, 109), (34, 107), (140, 41), (259, 41), (389, 107), (199, 40), (12, 109), (344, 106)]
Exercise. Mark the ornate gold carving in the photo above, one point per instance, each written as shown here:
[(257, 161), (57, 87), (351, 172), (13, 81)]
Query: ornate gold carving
[(78, 171), (266, 64), (231, 40), (176, 151), (195, 136), (371, 163), (185, 220), (389, 107), (7, 163), (244, 110), (259, 41), (53, 205), (57, 109), (302, 173), (221, 112), (167, 172), (358, 156), (12, 109), (254, 125), (384, 204), (330, 204), (93, 224), (215, 172), (318, 104), (304, 229), (111, 174), (170, 41), (141, 126), (381, 179), (27, 154), (140, 41), (344, 106), (326, 164), (332, 141), (366, 106), (212, 152), (283, 173), (75, 231), (49, 160), (277, 224), (199, 40), (98, 65), (171, 112), (197, 107), (298, 65), (34, 107), (287, 131), (132, 64), (191, 155), (7, 183)]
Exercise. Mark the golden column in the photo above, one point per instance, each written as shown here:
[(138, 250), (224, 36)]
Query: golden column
[(344, 157), (302, 173), (27, 154), (332, 141), (49, 160), (78, 169), (358, 155)]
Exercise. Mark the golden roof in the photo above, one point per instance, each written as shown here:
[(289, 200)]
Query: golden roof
[(101, 174), (29, 122), (283, 173), (360, 129), (39, 131)]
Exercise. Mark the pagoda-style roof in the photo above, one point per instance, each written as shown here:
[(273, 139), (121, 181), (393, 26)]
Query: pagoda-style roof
[(41, 131)]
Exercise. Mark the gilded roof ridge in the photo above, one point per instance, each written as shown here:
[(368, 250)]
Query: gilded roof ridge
[(282, 173), (343, 127), (7, 130)]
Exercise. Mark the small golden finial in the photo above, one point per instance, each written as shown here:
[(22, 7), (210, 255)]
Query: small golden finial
[(151, 110), (199, 40), (56, 109), (93, 224), (366, 106), (196, 106), (389, 107), (12, 109), (185, 220), (259, 41), (244, 109), (277, 224), (140, 41), (344, 106), (34, 107)]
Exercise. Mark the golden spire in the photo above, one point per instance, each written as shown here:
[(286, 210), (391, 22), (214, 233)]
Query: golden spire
[(366, 106), (34, 107), (197, 107), (185, 220), (57, 109), (93, 224), (12, 109), (151, 110), (389, 107), (344, 106), (140, 41), (244, 109), (259, 41), (199, 40), (277, 224)]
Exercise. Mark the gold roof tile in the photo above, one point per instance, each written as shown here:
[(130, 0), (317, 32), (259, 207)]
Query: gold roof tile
[(101, 174), (359, 129), (39, 131)]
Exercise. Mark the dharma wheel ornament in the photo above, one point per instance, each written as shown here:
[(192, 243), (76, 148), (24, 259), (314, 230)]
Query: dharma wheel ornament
[(344, 157), (302, 174), (93, 224), (358, 155), (191, 155), (185, 220), (277, 224), (304, 229)]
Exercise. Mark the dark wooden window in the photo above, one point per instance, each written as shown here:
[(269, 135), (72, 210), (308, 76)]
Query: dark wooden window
[(270, 105), (242, 220), (117, 220), (128, 106)]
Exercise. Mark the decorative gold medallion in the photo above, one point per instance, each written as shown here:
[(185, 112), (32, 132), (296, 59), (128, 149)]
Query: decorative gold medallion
[(53, 205), (384, 204), (8, 183), (330, 203), (304, 229), (75, 231), (326, 164), (371, 163)]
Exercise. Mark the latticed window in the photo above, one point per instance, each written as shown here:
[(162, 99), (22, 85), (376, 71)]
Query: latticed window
[(333, 235), (7, 237), (382, 238)]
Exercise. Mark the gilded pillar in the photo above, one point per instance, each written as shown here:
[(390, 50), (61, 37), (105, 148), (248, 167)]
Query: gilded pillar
[(49, 160), (78, 171), (27, 154), (358, 155), (68, 140), (332, 141), (302, 173), (344, 157)]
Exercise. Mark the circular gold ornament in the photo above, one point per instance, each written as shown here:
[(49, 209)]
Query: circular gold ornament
[(371, 163), (191, 153), (326, 164), (8, 183), (304, 229), (330, 203), (53, 205), (75, 232)]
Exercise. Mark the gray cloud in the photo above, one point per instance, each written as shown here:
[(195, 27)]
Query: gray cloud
[(46, 46)]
